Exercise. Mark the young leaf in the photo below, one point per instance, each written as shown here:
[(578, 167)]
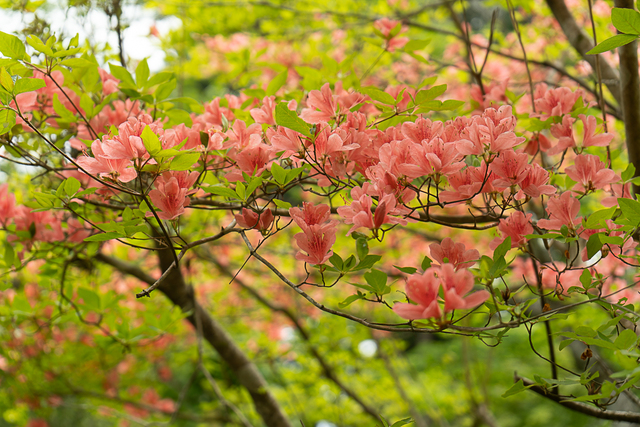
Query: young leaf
[(11, 46), (625, 20), (184, 162), (612, 43), (630, 209), (516, 388), (290, 120), (151, 141), (378, 95), (102, 237), (71, 186), (277, 82), (142, 73)]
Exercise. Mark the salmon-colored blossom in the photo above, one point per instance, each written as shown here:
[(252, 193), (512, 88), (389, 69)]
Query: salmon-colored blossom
[(517, 226), (447, 252), (590, 173), (562, 210)]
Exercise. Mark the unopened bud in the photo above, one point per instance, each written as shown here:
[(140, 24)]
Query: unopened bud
[(586, 354)]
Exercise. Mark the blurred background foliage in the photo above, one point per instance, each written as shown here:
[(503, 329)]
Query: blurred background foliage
[(57, 371)]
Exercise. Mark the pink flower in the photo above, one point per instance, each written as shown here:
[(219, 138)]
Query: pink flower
[(386, 26), (169, 197), (322, 100), (264, 114), (562, 210), (617, 191), (554, 102), (359, 213), (453, 253), (116, 169), (564, 132), (310, 215), (590, 137), (517, 226), (316, 241), (424, 290), (535, 181), (456, 285), (590, 173), (250, 219), (7, 204), (510, 168)]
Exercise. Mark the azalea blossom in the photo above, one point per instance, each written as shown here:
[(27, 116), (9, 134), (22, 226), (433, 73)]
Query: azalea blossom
[(424, 290), (590, 173), (250, 219), (562, 210), (517, 226), (447, 252)]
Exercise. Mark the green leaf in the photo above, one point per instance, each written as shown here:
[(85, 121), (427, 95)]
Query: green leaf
[(585, 331), (158, 78), (255, 183), (413, 45), (282, 204), (625, 20), (402, 422), (612, 43), (11, 46), (151, 141), (426, 263), (165, 89), (628, 173), (222, 191), (5, 80), (594, 244), (585, 278), (9, 254), (277, 82), (451, 104), (630, 209), (336, 261), (377, 280), (362, 247), (102, 237), (351, 299), (184, 162), (91, 298), (61, 110), (368, 262), (407, 270), (142, 73), (122, 74), (596, 220), (279, 173), (378, 95), (516, 388), (290, 120), (430, 94), (39, 45), (7, 120), (71, 186), (502, 249), (564, 344), (626, 339)]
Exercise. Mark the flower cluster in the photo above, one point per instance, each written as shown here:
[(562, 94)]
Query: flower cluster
[(452, 276)]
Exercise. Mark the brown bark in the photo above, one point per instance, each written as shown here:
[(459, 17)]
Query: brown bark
[(630, 89), (582, 43)]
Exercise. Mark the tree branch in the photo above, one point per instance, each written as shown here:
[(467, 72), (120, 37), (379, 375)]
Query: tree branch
[(582, 43), (630, 417), (630, 88), (181, 294)]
